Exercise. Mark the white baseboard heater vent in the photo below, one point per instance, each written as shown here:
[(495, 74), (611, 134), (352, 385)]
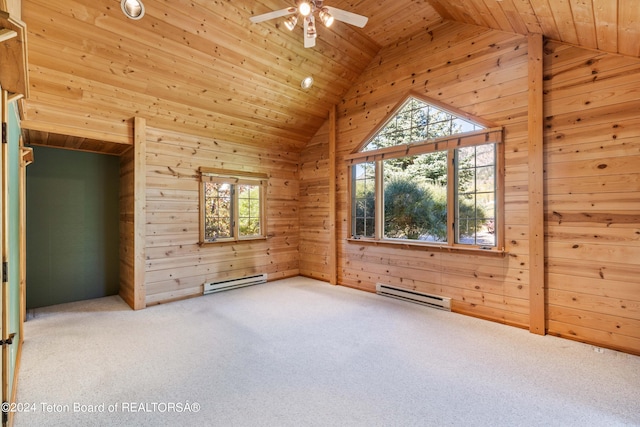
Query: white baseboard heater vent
[(435, 301), (224, 285)]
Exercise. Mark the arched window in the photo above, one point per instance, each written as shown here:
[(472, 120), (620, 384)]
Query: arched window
[(429, 175)]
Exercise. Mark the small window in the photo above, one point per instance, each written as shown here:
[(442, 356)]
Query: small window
[(232, 206), (428, 175)]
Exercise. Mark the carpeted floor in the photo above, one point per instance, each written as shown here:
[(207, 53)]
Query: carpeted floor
[(299, 352)]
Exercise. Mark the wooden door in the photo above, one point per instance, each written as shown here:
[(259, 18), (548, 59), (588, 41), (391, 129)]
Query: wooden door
[(11, 333)]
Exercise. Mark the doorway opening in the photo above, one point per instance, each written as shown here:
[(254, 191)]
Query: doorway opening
[(72, 226)]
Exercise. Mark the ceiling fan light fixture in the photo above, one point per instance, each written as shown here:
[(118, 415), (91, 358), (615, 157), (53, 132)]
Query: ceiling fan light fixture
[(304, 8), (133, 9), (311, 29), (326, 17), (291, 22), (306, 83)]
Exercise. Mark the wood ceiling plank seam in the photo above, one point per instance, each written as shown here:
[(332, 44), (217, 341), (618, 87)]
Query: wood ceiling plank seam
[(564, 20), (240, 31), (475, 81), (423, 26), (52, 50), (487, 13), (239, 134), (628, 28), (529, 17), (440, 78), (546, 18), (170, 98), (235, 130), (513, 16), (391, 19), (222, 77), (475, 13), (606, 22), (432, 37), (444, 60), (440, 40), (329, 50), (584, 19), (442, 10), (458, 13), (498, 16)]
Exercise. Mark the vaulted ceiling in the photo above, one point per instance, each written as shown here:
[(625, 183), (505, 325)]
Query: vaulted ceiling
[(202, 67)]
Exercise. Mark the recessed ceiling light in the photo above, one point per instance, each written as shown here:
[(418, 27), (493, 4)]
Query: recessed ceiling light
[(306, 83), (133, 9)]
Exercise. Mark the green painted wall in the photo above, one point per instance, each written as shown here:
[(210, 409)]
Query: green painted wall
[(72, 226)]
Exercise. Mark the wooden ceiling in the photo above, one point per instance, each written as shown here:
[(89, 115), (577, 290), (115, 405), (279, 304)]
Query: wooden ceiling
[(200, 66)]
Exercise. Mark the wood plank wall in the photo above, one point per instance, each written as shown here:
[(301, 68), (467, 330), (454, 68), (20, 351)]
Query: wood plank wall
[(127, 227), (592, 156), (176, 266), (315, 240), (480, 71), (592, 182)]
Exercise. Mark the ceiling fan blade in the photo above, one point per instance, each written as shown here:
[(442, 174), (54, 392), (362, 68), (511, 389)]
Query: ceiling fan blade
[(348, 17), (308, 41), (273, 15)]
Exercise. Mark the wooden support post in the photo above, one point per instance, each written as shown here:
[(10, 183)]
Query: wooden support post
[(139, 220), (537, 304), (333, 250)]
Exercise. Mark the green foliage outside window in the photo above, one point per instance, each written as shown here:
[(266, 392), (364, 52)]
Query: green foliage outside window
[(415, 187)]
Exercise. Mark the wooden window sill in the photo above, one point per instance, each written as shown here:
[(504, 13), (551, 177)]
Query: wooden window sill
[(232, 241), (401, 244)]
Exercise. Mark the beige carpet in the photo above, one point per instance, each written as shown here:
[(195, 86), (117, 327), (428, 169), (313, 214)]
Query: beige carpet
[(299, 352)]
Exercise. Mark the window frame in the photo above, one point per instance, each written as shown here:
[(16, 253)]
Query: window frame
[(233, 178), (491, 134)]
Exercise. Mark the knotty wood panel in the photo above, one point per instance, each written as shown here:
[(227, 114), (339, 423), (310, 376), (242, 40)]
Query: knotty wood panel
[(132, 219), (127, 228), (478, 71), (593, 182), (201, 65), (176, 266), (314, 207), (610, 26)]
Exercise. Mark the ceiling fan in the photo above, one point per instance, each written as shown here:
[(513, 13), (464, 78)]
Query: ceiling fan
[(306, 10)]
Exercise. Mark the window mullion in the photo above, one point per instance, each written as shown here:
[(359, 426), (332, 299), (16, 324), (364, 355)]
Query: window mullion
[(379, 201), (452, 194), (234, 211)]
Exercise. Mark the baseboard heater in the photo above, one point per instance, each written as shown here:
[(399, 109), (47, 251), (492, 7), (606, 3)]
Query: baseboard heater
[(225, 285), (435, 301)]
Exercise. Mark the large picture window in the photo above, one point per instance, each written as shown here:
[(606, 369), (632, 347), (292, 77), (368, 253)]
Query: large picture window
[(232, 206), (428, 176)]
